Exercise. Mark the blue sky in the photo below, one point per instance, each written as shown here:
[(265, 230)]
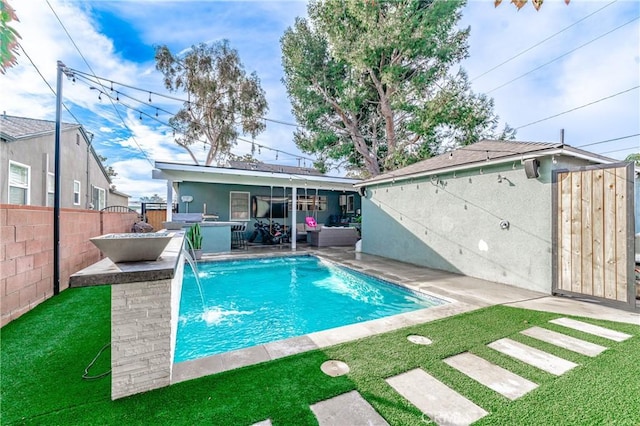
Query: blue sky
[(579, 66)]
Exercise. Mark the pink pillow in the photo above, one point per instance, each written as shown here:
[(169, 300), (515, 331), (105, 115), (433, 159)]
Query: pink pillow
[(311, 222)]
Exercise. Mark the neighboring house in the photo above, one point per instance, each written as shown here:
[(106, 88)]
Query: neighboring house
[(27, 148), (504, 212), (247, 191)]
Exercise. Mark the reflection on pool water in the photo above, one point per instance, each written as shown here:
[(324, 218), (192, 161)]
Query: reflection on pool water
[(251, 302)]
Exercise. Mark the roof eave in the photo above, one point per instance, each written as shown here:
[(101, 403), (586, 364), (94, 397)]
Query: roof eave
[(572, 152), (174, 167)]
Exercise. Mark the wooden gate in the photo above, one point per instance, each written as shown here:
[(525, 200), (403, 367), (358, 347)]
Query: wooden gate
[(155, 218), (593, 234)]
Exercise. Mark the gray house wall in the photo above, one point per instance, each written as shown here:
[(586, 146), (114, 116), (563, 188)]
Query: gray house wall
[(453, 222), (216, 197), (637, 201), (77, 162)]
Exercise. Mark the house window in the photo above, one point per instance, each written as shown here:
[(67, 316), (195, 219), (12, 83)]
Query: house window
[(350, 204), (76, 193), (99, 198), (19, 183), (238, 205), (51, 188)]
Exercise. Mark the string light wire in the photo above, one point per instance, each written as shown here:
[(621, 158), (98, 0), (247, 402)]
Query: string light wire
[(93, 72)]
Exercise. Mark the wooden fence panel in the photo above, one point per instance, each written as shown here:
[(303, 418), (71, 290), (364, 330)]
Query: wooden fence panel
[(621, 233), (592, 228), (155, 218)]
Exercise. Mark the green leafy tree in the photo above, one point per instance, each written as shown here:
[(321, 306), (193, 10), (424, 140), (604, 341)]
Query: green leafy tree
[(109, 169), (635, 158), (155, 198), (222, 99), (373, 87), (8, 37)]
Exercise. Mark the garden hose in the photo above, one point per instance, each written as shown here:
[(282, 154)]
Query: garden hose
[(86, 376)]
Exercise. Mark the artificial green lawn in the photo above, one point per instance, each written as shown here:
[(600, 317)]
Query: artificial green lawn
[(44, 354)]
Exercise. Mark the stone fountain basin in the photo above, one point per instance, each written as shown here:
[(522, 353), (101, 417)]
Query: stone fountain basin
[(132, 247)]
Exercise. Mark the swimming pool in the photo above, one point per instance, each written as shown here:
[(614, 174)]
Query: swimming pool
[(244, 303)]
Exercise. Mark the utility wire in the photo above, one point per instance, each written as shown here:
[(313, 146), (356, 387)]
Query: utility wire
[(47, 83), (140, 112), (541, 42), (608, 140), (174, 98), (92, 71), (620, 150), (562, 56), (576, 108)]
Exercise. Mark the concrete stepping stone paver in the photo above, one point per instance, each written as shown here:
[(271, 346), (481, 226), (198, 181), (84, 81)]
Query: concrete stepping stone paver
[(562, 340), (347, 409), (443, 405), (596, 330), (492, 376), (263, 423), (532, 356)]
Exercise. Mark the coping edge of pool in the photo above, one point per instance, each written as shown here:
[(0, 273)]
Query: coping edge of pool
[(192, 369), (214, 364)]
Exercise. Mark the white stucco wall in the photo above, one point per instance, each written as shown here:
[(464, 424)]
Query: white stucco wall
[(453, 223)]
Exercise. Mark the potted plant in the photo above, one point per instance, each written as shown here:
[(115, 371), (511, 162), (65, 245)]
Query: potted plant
[(194, 237)]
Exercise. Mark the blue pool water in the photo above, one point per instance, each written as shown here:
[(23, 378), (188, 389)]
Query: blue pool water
[(245, 303)]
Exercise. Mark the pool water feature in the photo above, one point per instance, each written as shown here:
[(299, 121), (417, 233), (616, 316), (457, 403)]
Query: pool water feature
[(256, 301)]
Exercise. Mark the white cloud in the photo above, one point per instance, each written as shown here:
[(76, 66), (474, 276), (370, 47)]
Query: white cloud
[(597, 70), (254, 28)]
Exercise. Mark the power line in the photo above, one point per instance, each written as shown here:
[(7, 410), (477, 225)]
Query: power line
[(576, 108), (47, 83), (562, 56), (619, 150), (91, 69), (541, 42), (609, 140)]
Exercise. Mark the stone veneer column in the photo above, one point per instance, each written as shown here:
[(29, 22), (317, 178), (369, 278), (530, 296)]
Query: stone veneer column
[(141, 334)]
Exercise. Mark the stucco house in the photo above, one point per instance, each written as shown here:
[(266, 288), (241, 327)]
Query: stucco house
[(541, 216), (27, 166), (246, 192)]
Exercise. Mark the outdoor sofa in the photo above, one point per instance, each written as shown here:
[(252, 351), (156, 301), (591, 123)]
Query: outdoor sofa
[(333, 236)]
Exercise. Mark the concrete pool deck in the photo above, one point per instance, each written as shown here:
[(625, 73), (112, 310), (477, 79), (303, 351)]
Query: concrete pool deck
[(463, 293)]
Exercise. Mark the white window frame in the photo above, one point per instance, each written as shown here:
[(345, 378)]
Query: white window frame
[(76, 194), (102, 201), (20, 185), (351, 203), (237, 215), (51, 177)]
